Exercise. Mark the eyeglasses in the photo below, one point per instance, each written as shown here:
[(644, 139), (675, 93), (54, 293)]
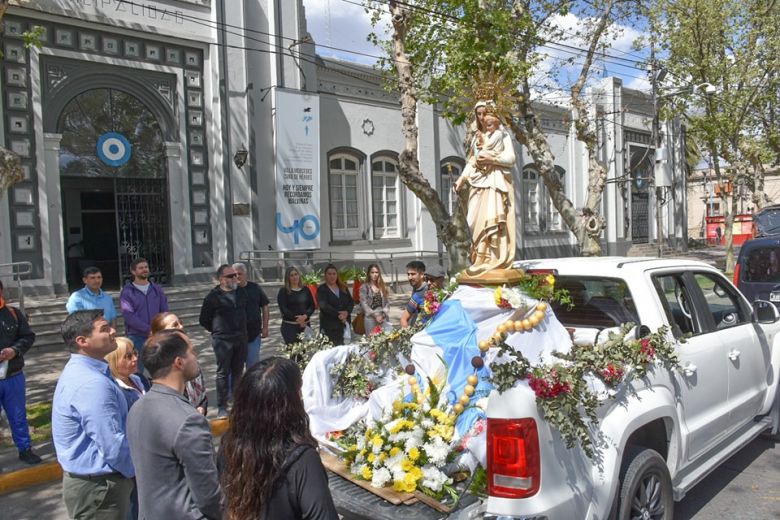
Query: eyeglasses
[(234, 275)]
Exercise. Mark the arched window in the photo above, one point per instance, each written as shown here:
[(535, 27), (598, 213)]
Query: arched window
[(450, 171), (555, 223), (344, 179), (539, 212), (386, 197)]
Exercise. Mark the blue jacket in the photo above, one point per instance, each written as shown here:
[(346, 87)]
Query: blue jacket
[(139, 308)]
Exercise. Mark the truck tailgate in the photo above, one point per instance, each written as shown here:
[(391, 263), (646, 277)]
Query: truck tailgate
[(355, 503)]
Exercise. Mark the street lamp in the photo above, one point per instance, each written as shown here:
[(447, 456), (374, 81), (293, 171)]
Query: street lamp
[(662, 180)]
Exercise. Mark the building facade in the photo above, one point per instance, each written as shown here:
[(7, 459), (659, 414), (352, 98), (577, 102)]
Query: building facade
[(150, 129)]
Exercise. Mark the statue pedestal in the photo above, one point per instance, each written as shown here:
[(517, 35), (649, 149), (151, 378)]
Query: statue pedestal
[(493, 277)]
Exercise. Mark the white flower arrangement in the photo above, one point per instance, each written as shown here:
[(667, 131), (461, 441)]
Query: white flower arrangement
[(409, 448)]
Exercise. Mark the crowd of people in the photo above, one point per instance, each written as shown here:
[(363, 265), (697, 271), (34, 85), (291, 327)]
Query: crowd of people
[(128, 418)]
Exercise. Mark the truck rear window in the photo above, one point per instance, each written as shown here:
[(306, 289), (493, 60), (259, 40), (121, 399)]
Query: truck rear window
[(597, 302), (762, 264)]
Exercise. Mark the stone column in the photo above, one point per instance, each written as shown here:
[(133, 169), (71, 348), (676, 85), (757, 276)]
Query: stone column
[(179, 215), (54, 245)]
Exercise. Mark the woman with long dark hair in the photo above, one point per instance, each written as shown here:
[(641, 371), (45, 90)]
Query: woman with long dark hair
[(335, 305), (373, 300), (296, 305), (271, 468)]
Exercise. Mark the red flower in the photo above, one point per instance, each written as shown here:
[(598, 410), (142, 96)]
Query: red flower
[(548, 387), (647, 349), (504, 304), (372, 355), (612, 375)]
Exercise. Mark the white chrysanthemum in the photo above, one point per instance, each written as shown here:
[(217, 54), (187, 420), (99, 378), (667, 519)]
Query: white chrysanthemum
[(482, 403), (437, 451), (381, 477), (434, 479), (426, 407), (427, 423), (394, 464), (412, 442)]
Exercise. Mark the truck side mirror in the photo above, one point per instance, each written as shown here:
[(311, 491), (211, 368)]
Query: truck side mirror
[(642, 331), (765, 312)]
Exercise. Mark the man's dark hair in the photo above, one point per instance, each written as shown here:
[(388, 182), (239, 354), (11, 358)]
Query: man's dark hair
[(161, 349), (90, 270), (222, 269), (139, 260), (417, 265), (79, 323)]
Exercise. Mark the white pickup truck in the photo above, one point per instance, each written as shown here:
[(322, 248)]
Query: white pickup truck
[(661, 434)]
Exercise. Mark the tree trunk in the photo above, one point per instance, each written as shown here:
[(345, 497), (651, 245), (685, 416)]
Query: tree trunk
[(452, 230)]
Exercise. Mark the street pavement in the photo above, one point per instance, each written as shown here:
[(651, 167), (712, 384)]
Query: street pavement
[(746, 487)]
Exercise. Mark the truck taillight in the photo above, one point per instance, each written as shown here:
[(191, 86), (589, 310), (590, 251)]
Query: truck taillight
[(736, 274), (513, 466)]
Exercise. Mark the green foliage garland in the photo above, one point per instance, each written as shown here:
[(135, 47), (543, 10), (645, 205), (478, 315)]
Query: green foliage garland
[(562, 392)]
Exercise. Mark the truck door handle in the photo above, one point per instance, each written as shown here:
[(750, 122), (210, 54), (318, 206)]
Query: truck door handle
[(734, 354), (689, 369)]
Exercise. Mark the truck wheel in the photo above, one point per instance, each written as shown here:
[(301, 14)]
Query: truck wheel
[(645, 486)]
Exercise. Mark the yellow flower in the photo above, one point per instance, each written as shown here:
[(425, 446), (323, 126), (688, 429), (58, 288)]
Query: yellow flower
[(550, 279), (366, 473), (414, 454), (353, 447), (407, 465), (377, 441), (409, 482), (382, 456), (371, 458), (497, 295), (394, 451)]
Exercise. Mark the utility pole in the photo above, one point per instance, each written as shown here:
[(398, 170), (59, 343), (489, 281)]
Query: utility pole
[(656, 76)]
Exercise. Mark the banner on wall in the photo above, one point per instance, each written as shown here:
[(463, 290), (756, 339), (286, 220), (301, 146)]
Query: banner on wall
[(297, 171)]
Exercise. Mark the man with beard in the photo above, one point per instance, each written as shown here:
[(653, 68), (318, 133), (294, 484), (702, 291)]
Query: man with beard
[(224, 315), (170, 442), (140, 301)]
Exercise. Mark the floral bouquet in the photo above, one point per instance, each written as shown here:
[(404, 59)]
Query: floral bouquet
[(409, 447)]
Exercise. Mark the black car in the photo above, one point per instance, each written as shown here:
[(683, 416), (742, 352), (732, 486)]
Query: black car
[(757, 273), (767, 221)]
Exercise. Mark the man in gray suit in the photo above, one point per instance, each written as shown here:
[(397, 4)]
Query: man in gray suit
[(170, 442)]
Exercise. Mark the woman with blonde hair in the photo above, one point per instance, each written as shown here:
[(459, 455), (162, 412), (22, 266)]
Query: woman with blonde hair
[(373, 301), (296, 305), (195, 390), (123, 363)]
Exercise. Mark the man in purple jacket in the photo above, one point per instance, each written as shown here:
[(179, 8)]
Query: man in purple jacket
[(140, 301)]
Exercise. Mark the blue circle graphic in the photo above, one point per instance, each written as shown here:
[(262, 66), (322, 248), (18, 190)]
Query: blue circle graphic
[(114, 149)]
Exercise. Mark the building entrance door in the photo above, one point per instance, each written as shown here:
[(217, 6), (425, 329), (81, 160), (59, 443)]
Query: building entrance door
[(114, 187)]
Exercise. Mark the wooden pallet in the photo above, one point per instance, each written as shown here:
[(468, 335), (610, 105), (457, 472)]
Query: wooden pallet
[(337, 466)]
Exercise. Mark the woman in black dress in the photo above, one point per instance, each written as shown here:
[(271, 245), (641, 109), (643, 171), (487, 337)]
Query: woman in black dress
[(335, 305), (296, 305)]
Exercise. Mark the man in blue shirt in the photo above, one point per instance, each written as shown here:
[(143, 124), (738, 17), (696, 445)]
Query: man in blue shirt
[(89, 417), (415, 272), (91, 296)]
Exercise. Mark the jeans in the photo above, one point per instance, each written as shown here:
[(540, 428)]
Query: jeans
[(12, 398), (231, 357), (138, 343), (253, 351)]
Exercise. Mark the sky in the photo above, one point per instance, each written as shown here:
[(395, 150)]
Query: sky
[(340, 28)]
